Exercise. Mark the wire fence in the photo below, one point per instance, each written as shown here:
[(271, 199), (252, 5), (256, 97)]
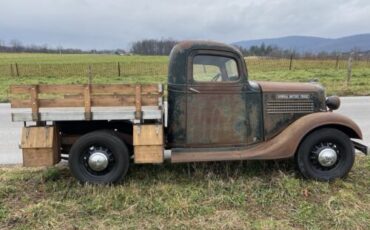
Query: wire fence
[(157, 69), (257, 64)]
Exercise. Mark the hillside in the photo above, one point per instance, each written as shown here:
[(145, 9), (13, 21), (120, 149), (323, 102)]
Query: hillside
[(314, 44)]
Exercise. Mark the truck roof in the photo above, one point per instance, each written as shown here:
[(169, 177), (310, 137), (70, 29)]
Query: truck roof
[(181, 51), (189, 45)]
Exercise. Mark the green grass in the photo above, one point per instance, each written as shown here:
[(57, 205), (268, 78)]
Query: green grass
[(251, 194), (333, 81), (73, 68)]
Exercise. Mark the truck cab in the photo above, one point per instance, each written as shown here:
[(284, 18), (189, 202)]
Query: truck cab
[(213, 112), (211, 102)]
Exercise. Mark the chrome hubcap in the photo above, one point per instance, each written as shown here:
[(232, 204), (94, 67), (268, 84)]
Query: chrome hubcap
[(98, 161), (327, 157)]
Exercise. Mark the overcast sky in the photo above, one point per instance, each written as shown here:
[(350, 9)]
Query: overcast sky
[(101, 24)]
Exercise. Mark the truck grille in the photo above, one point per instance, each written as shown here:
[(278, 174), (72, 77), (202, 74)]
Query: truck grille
[(290, 106)]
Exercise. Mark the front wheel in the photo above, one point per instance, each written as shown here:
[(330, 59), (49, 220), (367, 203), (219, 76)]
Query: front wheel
[(325, 154), (99, 157)]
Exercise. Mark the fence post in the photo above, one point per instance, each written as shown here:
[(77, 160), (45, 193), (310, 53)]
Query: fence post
[(11, 70), (16, 69), (349, 68), (89, 74), (337, 63), (119, 69), (291, 62)]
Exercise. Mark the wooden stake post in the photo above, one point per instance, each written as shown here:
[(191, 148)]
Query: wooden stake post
[(138, 102), (35, 103), (349, 68)]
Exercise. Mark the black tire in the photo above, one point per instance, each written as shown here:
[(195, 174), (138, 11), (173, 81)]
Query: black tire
[(104, 142), (307, 159)]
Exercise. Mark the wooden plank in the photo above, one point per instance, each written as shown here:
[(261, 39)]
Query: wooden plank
[(61, 89), (148, 154), (38, 157), (74, 96), (78, 101), (20, 103), (110, 100), (37, 137), (105, 95), (149, 89), (148, 100), (61, 102), (20, 89), (148, 135), (40, 146), (122, 89), (138, 102)]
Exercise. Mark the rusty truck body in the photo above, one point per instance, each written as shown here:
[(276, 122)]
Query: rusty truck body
[(213, 112)]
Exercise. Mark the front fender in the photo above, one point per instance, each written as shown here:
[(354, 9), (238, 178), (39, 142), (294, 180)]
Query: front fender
[(288, 140)]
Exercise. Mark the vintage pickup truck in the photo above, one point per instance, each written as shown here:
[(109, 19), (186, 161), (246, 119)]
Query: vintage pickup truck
[(213, 112)]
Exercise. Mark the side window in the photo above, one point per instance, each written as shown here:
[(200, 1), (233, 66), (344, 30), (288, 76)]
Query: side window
[(209, 68)]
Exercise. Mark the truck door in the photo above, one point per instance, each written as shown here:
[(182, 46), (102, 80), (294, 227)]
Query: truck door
[(220, 106)]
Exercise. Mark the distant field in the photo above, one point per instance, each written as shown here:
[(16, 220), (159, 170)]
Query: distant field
[(37, 58), (74, 68)]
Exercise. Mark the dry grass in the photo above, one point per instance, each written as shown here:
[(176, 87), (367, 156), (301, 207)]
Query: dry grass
[(238, 195)]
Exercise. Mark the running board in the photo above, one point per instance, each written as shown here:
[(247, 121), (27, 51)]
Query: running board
[(362, 148)]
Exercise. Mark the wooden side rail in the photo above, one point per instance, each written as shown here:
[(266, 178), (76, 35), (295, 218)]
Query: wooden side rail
[(86, 96)]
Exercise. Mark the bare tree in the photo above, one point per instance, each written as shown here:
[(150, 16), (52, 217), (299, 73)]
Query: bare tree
[(16, 45), (153, 46)]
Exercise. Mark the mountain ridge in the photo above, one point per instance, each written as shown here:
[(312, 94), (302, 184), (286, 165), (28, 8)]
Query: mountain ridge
[(313, 44)]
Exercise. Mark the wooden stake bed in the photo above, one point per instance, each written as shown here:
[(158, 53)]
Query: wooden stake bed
[(86, 102)]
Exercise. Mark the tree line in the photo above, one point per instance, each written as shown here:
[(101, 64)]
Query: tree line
[(153, 46), (164, 47), (16, 46)]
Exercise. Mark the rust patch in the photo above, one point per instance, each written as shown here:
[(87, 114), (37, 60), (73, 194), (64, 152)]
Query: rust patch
[(216, 119), (281, 146)]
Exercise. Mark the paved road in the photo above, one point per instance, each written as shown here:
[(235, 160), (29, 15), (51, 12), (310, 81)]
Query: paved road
[(358, 108)]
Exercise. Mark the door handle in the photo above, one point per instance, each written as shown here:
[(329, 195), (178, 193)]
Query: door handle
[(194, 90)]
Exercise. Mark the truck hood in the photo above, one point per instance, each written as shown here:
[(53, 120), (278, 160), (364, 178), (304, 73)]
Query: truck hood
[(289, 87)]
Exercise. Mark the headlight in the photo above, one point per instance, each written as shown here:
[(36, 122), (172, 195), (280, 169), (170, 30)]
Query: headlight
[(333, 102)]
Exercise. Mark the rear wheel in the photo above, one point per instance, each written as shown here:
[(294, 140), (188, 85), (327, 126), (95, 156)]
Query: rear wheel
[(325, 154), (99, 157)]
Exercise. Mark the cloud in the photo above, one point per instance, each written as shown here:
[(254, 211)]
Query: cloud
[(115, 24)]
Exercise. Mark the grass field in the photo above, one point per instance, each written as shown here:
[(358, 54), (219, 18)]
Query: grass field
[(239, 195), (72, 68)]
